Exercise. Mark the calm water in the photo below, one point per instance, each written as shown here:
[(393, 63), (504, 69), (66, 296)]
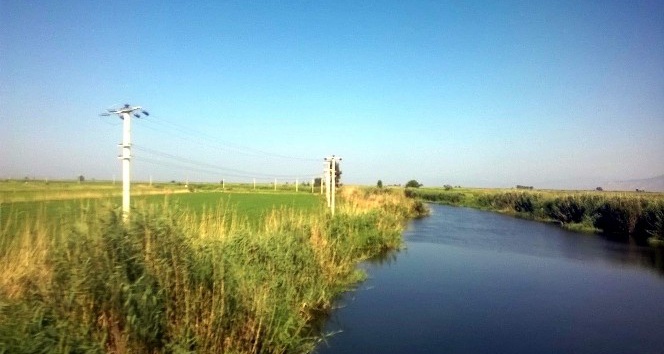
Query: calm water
[(479, 282)]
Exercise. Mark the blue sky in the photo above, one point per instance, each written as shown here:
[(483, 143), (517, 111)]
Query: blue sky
[(563, 94)]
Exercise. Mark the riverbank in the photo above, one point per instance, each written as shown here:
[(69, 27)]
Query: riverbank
[(635, 216), (173, 280)]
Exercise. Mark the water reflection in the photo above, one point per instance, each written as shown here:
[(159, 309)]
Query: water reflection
[(487, 230)]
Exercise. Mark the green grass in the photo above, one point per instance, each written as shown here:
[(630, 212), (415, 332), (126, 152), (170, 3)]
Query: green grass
[(40, 190), (250, 205)]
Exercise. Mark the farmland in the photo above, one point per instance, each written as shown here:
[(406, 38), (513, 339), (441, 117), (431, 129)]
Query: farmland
[(55, 199), (203, 271)]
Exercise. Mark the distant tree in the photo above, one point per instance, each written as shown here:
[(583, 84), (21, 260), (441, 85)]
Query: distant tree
[(81, 178), (413, 184), (599, 189), (447, 187), (379, 184), (317, 182), (337, 174)]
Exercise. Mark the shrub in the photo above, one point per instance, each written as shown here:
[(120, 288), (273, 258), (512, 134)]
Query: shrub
[(413, 184)]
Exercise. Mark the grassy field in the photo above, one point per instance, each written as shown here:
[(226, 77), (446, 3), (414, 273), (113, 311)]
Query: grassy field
[(57, 199), (638, 216), (250, 205), (201, 272), (40, 190)]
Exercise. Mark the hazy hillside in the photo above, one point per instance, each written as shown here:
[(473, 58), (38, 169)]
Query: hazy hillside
[(654, 184)]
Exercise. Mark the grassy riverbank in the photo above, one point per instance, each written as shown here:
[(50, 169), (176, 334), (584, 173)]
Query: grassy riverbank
[(639, 216), (177, 280)]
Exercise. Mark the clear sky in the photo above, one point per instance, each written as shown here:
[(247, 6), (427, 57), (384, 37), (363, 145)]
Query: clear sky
[(562, 94)]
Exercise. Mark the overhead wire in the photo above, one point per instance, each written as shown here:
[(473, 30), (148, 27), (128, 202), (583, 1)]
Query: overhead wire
[(161, 125), (207, 167), (245, 150)]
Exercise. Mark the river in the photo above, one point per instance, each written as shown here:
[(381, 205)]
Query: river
[(471, 281)]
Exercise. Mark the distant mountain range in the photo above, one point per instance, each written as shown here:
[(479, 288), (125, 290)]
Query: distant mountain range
[(654, 184)]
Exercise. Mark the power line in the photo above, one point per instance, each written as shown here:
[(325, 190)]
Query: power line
[(183, 130), (211, 167)]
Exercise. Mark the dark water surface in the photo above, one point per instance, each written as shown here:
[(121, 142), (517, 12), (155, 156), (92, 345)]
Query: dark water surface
[(479, 282)]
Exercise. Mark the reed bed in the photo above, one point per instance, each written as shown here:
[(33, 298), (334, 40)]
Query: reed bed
[(175, 281), (636, 216)]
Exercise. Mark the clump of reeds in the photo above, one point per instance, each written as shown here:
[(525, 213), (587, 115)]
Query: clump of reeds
[(174, 282)]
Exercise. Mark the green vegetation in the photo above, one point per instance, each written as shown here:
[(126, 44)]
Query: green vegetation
[(413, 184), (189, 273), (639, 216), (41, 190), (251, 206)]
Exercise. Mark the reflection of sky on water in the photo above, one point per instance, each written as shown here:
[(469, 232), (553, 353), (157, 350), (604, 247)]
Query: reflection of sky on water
[(472, 228)]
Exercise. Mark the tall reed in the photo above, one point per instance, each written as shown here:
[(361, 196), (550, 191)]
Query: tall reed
[(171, 281)]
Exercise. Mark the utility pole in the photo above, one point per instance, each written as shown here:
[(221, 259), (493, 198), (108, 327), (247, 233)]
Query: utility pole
[(296, 184), (326, 181), (125, 114), (333, 183), (330, 177), (254, 184), (275, 184)]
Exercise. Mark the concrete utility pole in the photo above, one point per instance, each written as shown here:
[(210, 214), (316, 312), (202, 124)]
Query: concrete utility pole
[(330, 176), (296, 185), (125, 114), (326, 181)]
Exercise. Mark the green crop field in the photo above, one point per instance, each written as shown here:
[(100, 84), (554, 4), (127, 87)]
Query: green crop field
[(55, 200)]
